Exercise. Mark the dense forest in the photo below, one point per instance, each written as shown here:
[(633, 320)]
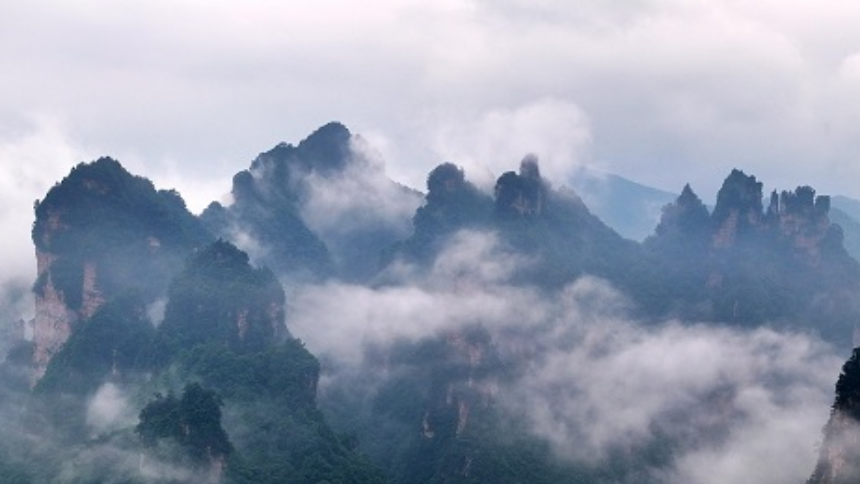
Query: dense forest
[(330, 325)]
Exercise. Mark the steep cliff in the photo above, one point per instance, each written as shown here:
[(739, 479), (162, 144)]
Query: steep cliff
[(99, 233), (224, 327), (742, 264), (839, 455)]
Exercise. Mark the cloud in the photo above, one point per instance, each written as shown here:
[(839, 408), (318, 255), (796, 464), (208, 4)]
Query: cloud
[(35, 156), (705, 84), (556, 131), (108, 409), (591, 381), (339, 320), (359, 198), (738, 400)]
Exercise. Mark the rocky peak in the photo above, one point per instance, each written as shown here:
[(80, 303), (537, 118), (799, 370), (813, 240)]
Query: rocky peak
[(801, 218), (444, 180), (326, 151), (687, 216), (219, 297), (739, 208), (521, 195), (452, 203), (101, 232)]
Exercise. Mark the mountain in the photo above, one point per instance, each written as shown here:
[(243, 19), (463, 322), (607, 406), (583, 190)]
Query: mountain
[(99, 233), (784, 266), (111, 250), (848, 205), (553, 228), (322, 208), (222, 344), (458, 336), (630, 208), (845, 212)]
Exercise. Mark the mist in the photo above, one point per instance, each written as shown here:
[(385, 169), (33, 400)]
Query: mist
[(740, 405)]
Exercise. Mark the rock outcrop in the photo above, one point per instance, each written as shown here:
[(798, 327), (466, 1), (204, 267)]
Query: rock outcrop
[(839, 455), (521, 194), (99, 233), (744, 264), (321, 208)]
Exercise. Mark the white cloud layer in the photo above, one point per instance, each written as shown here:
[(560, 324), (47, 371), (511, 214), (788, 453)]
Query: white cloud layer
[(694, 88), (746, 405), (662, 91)]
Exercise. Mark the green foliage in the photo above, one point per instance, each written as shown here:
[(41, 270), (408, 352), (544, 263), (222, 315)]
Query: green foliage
[(223, 327), (839, 453), (219, 298), (134, 235), (848, 387), (193, 421), (99, 205), (114, 343), (286, 372), (267, 203), (451, 204)]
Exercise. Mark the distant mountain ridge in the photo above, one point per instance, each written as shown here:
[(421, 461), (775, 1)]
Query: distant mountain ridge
[(631, 208)]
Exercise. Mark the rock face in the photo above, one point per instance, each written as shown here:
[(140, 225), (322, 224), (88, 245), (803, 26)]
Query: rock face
[(521, 194), (745, 265), (53, 322), (796, 219), (687, 217), (839, 457), (738, 210), (99, 233)]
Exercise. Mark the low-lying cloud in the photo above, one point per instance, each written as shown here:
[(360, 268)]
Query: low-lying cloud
[(740, 405)]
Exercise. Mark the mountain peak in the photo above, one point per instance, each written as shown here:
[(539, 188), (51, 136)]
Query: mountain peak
[(740, 197), (521, 194)]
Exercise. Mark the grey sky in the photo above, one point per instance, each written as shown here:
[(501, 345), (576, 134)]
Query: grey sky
[(661, 91)]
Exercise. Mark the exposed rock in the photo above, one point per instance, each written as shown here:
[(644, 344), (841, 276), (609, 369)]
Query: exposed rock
[(686, 217), (839, 456), (99, 233), (521, 194), (52, 325), (92, 298), (738, 210)]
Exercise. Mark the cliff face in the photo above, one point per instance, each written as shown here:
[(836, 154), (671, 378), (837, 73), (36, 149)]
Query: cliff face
[(797, 220), (742, 264), (738, 210), (53, 322), (523, 194), (99, 233), (839, 456)]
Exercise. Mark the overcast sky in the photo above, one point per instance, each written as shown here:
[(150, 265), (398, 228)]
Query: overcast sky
[(661, 91)]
